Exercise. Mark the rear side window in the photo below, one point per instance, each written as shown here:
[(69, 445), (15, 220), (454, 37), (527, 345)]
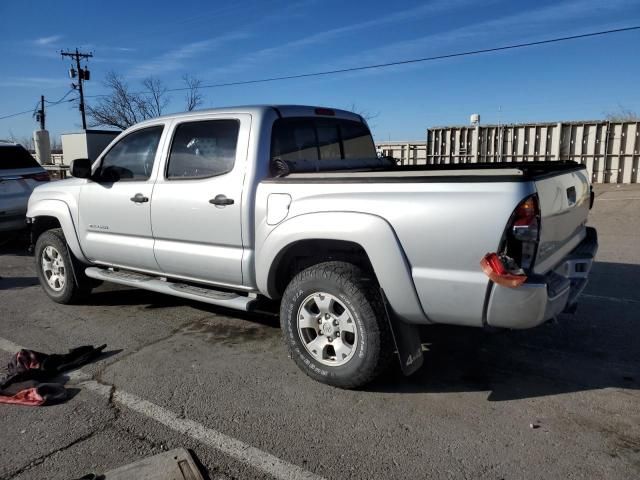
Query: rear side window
[(309, 138), (357, 141), (132, 157), (203, 149), (16, 156)]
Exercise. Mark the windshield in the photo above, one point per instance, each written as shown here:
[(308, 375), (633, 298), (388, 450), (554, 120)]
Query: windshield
[(16, 156), (309, 138)]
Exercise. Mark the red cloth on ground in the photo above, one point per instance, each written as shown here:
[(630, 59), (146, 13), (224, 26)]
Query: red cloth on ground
[(29, 397)]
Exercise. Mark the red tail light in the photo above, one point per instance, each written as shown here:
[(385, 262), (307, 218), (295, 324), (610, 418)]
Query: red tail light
[(525, 224), (518, 250), (492, 265), (523, 232), (39, 177)]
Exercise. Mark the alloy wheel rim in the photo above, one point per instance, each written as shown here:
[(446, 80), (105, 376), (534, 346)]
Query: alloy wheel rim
[(53, 268), (327, 329)]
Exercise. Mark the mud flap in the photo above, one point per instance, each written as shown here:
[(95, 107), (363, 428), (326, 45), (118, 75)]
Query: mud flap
[(406, 338)]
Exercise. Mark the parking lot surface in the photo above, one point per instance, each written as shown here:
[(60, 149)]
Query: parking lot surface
[(559, 401)]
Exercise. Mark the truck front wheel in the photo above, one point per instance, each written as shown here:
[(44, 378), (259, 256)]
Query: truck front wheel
[(60, 274), (334, 325)]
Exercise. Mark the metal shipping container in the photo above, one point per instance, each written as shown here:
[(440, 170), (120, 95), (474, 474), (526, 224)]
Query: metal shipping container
[(610, 150)]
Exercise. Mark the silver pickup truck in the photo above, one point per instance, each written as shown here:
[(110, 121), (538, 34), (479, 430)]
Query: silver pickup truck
[(240, 206)]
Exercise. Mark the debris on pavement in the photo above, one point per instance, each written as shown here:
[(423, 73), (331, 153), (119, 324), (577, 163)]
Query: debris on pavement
[(44, 393), (176, 464), (29, 372), (30, 360)]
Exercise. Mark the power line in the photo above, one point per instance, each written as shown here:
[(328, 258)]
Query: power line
[(16, 114), (392, 64), (414, 60), (61, 100), (35, 109), (30, 111)]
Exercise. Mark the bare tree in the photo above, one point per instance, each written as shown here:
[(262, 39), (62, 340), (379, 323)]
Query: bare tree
[(366, 114), (622, 114), (155, 97), (121, 107), (193, 98), (25, 141)]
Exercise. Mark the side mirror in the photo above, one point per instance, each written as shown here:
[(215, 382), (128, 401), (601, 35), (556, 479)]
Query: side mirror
[(80, 168)]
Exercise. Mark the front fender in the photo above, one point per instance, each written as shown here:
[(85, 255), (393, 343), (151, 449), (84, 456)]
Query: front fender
[(59, 210), (371, 232)]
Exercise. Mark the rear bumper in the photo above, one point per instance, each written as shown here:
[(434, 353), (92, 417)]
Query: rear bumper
[(542, 297)]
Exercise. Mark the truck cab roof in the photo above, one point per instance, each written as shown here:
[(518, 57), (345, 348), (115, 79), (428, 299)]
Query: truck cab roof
[(281, 110)]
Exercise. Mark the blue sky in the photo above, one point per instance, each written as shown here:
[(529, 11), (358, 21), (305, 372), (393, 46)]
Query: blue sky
[(246, 39)]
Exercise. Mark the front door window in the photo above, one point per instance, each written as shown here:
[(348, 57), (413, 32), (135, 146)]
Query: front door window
[(131, 158)]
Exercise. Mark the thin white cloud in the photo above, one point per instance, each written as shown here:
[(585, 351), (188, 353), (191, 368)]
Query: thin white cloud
[(106, 48), (558, 13), (525, 22), (175, 59), (265, 55), (536, 22), (30, 82), (112, 60), (48, 40)]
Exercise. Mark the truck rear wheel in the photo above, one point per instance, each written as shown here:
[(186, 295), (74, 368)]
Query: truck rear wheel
[(334, 325), (60, 274)]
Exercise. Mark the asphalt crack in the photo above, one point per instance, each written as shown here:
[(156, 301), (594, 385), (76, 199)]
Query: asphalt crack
[(40, 460), (111, 405)]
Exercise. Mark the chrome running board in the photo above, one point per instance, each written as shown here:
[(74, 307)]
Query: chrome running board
[(177, 289)]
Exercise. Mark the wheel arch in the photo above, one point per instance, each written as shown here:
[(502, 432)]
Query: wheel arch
[(48, 214), (301, 254), (368, 239)]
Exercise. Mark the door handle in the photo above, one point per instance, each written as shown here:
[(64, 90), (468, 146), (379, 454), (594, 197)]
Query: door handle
[(139, 198), (221, 200)]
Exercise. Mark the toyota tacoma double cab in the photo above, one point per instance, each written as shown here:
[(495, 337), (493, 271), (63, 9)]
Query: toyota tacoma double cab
[(236, 206)]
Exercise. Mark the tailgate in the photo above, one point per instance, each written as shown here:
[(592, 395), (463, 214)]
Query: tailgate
[(564, 205)]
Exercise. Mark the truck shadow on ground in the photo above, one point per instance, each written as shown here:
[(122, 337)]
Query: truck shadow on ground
[(116, 295), (509, 365), (110, 295), (593, 349), (9, 283)]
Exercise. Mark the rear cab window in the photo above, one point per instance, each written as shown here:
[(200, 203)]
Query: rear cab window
[(16, 157), (203, 149), (309, 138)]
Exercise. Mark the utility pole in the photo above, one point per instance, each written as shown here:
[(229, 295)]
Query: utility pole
[(82, 76), (40, 114)]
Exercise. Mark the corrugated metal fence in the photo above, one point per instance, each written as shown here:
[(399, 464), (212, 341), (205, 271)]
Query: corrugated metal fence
[(610, 150)]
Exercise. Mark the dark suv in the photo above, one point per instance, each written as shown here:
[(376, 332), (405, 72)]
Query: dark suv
[(20, 173)]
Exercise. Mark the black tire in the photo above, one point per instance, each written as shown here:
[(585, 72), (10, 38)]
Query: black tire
[(76, 284), (372, 348)]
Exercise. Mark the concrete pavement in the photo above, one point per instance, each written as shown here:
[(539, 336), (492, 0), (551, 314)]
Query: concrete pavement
[(466, 414)]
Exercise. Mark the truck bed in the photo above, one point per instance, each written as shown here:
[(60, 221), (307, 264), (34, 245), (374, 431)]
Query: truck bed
[(446, 218), (351, 172)]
